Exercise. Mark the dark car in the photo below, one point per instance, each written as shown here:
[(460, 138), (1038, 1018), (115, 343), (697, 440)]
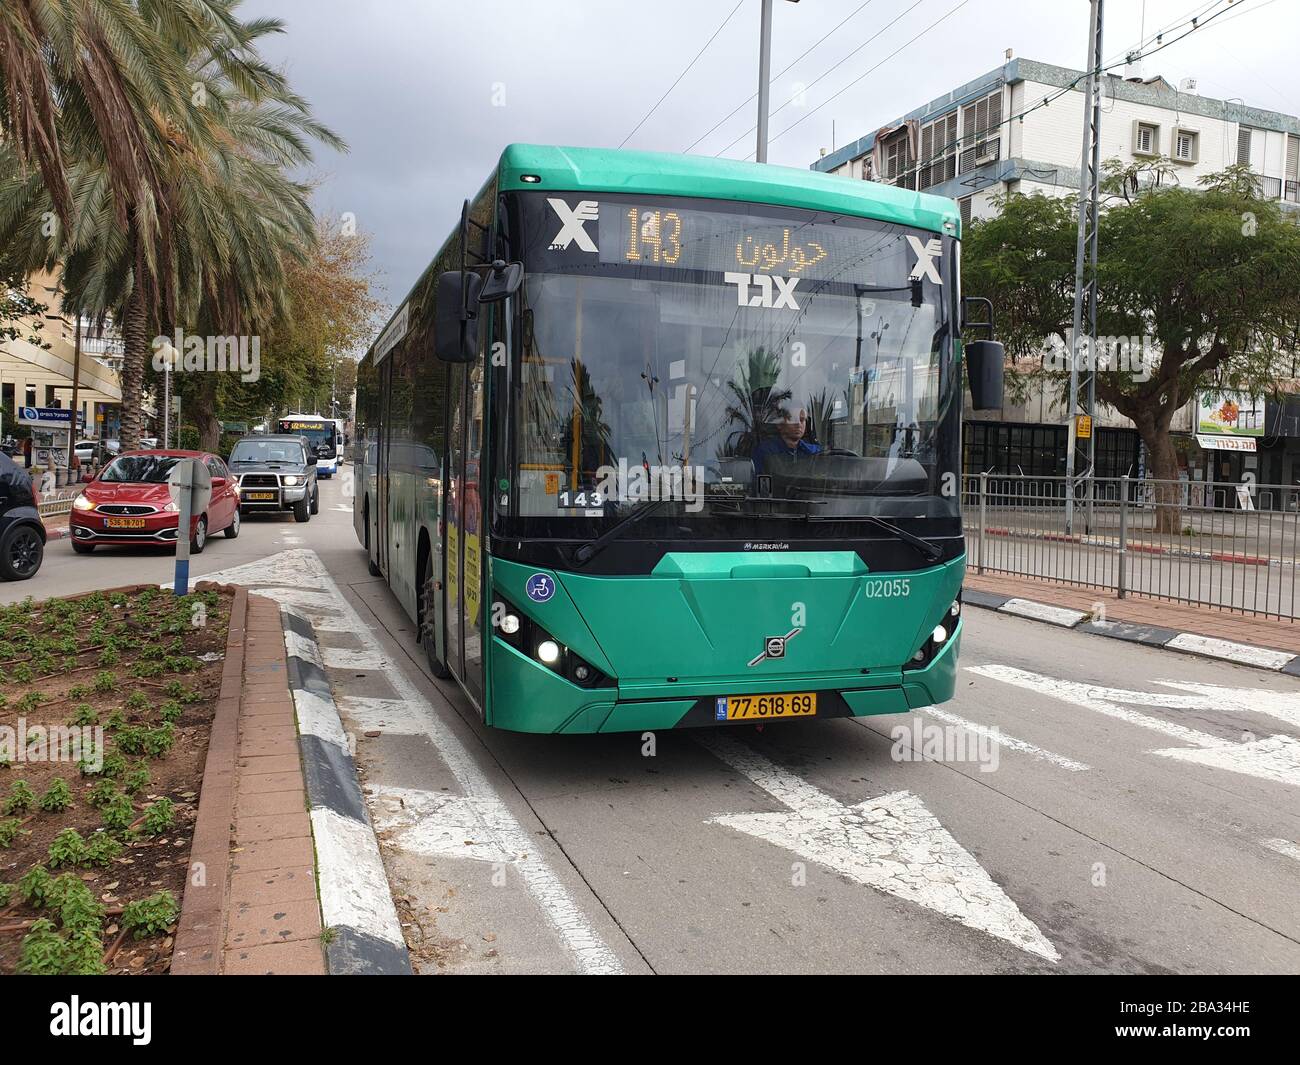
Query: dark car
[(22, 536), (275, 473)]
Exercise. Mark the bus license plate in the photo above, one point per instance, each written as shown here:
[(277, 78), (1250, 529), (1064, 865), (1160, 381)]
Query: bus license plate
[(124, 523), (766, 707), (259, 495)]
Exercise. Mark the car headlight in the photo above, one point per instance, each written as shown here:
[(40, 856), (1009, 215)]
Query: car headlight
[(82, 503), (291, 481)]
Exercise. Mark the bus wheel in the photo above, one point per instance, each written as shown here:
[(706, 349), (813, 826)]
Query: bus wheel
[(428, 603)]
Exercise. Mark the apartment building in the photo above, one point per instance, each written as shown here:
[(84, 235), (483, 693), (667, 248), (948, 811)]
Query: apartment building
[(1018, 128), (32, 375)]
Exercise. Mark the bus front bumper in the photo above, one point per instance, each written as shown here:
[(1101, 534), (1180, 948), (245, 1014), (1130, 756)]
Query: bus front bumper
[(530, 698)]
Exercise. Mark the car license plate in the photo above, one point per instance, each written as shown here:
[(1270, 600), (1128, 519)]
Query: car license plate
[(124, 523), (765, 707), (259, 495)]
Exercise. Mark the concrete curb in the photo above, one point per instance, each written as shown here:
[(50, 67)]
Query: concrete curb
[(1243, 654), (356, 902)]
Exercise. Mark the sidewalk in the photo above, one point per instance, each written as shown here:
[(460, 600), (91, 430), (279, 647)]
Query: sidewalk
[(255, 908), (1140, 610)]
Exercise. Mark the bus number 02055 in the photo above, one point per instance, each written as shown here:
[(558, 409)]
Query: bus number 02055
[(896, 588)]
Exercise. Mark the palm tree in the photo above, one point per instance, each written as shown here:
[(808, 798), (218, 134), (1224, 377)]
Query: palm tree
[(756, 403), (175, 208)]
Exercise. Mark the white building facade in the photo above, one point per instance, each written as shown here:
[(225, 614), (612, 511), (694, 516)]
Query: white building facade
[(994, 136)]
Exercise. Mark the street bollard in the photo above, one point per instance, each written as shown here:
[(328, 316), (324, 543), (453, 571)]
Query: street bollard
[(185, 484), (1123, 535), (984, 484)]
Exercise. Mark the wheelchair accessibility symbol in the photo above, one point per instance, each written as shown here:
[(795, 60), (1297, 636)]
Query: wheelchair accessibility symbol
[(539, 588)]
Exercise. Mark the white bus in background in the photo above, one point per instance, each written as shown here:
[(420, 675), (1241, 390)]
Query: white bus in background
[(323, 435)]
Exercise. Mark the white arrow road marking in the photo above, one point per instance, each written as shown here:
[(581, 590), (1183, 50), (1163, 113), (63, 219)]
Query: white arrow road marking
[(1283, 846), (346, 510), (1272, 758), (1281, 705), (300, 578), (1003, 740), (891, 843)]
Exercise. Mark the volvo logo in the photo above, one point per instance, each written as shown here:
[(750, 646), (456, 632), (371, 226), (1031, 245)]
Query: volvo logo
[(774, 646)]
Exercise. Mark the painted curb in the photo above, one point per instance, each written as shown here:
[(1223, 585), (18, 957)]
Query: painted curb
[(356, 902), (1242, 654)]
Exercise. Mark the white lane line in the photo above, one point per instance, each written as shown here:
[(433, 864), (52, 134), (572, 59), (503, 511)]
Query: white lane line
[(1283, 846), (1234, 652), (1003, 740), (1274, 758), (350, 658), (891, 843), (592, 955), (1056, 615), (393, 717)]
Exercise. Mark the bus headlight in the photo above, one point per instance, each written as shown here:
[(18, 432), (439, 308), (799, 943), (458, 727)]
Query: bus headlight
[(939, 635), (955, 609), (548, 651), (510, 624)]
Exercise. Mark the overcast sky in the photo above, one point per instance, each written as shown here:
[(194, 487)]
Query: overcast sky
[(427, 92)]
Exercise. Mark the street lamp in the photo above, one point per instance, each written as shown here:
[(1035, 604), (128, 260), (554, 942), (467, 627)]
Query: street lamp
[(764, 76)]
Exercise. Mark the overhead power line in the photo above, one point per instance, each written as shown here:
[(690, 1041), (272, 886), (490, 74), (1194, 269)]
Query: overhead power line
[(906, 44), (683, 73), (780, 74), (824, 73)]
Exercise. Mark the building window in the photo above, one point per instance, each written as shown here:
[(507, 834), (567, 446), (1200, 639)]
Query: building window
[(981, 125), (938, 161), (1293, 168), (964, 205), (1146, 138), (1185, 146), (1244, 136), (896, 164)]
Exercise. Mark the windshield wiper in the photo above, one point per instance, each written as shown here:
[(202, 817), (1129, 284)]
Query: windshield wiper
[(589, 551), (931, 550)]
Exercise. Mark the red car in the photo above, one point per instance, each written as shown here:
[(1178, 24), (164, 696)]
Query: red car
[(129, 502)]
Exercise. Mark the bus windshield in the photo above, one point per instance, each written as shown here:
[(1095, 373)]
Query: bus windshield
[(317, 433), (768, 364)]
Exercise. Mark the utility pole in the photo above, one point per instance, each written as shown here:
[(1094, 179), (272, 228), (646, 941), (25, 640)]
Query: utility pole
[(76, 384), (1081, 450), (764, 76)]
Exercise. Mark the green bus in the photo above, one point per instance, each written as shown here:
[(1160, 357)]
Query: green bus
[(663, 441)]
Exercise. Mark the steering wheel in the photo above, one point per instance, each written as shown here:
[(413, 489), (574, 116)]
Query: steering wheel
[(841, 451)]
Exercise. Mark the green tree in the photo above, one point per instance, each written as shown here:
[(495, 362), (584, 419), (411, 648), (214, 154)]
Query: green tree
[(1204, 278), (162, 139)]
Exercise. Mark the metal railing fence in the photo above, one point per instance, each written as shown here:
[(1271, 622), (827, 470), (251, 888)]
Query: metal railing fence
[(1228, 546)]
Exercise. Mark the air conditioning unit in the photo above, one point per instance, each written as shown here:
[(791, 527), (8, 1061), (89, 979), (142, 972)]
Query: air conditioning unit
[(986, 153)]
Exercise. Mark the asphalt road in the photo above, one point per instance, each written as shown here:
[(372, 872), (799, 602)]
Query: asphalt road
[(1140, 815)]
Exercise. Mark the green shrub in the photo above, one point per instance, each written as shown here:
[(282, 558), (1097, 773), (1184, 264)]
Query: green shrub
[(21, 798), (101, 793), (151, 916), (83, 714), (35, 886), (10, 829), (171, 710), (67, 848), (6, 895), (159, 816), (105, 681), (102, 849), (84, 953), (57, 797), (136, 779), (158, 741), (44, 951), (78, 691), (118, 813)]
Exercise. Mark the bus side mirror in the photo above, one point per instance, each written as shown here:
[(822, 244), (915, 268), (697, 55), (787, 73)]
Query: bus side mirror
[(503, 280), (455, 325), (984, 365)]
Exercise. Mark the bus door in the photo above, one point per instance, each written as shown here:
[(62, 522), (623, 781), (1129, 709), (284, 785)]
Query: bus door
[(454, 511), (382, 523), (464, 528)]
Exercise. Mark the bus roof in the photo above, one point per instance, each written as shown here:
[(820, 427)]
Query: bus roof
[(662, 174)]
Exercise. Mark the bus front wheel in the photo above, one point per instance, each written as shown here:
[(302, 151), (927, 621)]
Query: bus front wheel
[(428, 603)]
